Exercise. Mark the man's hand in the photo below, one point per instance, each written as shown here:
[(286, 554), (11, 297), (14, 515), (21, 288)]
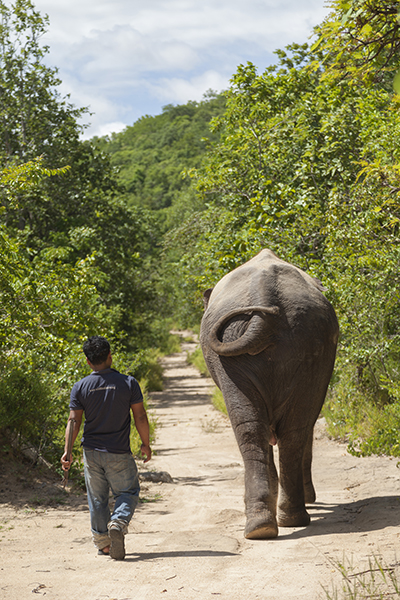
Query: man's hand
[(65, 464), (71, 431), (146, 451), (143, 429)]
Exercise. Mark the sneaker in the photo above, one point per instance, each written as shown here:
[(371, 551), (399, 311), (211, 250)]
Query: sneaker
[(117, 548)]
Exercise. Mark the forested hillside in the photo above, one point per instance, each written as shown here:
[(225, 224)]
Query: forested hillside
[(152, 154), (120, 235)]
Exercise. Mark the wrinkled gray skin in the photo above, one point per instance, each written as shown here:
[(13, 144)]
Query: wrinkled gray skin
[(269, 339)]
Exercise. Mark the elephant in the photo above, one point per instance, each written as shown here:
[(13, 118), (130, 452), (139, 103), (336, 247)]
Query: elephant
[(269, 339)]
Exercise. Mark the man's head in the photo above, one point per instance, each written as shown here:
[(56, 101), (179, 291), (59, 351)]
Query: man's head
[(97, 350)]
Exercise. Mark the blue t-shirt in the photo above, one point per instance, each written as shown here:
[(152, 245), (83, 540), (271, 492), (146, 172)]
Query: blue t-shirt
[(106, 397)]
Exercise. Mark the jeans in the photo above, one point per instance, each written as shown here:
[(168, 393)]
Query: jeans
[(105, 471)]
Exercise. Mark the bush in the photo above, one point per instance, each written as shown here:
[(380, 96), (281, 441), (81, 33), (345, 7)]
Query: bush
[(357, 416), (30, 415), (196, 359)]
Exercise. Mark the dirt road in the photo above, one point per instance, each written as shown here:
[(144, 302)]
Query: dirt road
[(186, 538)]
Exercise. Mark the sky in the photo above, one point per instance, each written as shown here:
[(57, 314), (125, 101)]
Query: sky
[(128, 58)]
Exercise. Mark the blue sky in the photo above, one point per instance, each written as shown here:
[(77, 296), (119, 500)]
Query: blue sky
[(127, 58)]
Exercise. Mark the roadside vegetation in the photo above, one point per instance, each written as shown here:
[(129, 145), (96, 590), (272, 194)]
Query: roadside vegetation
[(378, 580), (196, 358), (120, 235)]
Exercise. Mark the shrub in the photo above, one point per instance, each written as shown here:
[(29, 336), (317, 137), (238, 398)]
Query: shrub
[(196, 359), (30, 414)]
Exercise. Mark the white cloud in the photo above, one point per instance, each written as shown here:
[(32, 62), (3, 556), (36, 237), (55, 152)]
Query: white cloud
[(123, 50), (127, 58), (108, 128), (179, 90)]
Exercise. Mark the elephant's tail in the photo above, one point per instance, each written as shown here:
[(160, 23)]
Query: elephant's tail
[(254, 340)]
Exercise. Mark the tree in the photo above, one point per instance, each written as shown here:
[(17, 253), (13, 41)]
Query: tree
[(32, 113), (36, 121), (152, 153), (287, 141), (360, 40)]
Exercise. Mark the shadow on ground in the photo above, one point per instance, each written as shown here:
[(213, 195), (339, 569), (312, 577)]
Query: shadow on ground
[(363, 516)]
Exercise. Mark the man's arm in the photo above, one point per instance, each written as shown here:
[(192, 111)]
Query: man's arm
[(142, 425), (76, 416)]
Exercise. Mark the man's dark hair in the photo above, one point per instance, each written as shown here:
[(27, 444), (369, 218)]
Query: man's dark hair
[(96, 349)]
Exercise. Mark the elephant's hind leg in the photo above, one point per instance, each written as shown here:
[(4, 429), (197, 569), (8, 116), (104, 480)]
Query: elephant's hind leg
[(309, 490), (260, 489), (260, 511), (250, 423), (291, 505)]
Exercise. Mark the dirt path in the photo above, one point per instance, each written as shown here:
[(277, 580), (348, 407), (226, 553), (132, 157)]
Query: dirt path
[(186, 539)]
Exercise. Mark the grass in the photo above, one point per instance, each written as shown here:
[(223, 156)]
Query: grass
[(210, 426), (47, 500), (377, 582), (218, 401), (149, 499), (196, 359)]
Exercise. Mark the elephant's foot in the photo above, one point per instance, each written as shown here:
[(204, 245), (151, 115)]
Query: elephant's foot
[(309, 493), (261, 526), (300, 518)]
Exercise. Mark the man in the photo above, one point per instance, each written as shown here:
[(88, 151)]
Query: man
[(106, 397)]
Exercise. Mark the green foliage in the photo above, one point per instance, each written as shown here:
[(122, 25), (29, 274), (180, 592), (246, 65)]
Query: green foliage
[(173, 344), (360, 41), (31, 111), (286, 142), (151, 157), (354, 416), (123, 242), (196, 359), (152, 154), (42, 300), (17, 178), (47, 310), (74, 260), (218, 401), (26, 408), (147, 369), (44, 321)]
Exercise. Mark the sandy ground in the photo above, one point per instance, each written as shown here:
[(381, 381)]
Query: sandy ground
[(186, 538)]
